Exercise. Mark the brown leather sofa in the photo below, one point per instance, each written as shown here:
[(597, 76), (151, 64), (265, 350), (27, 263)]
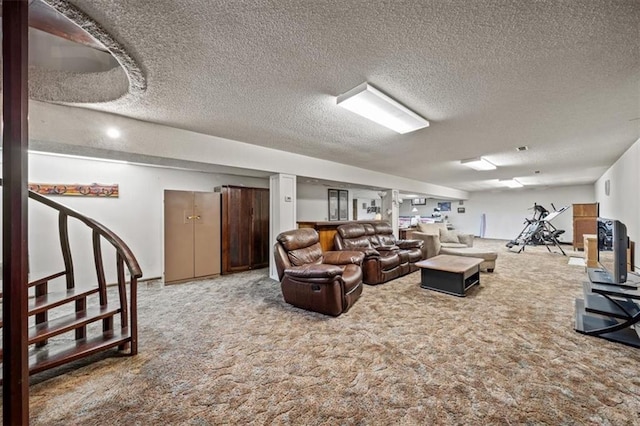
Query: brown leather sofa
[(385, 257), (329, 282)]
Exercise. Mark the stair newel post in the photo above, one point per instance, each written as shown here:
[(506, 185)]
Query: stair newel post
[(15, 143), (122, 291), (133, 328), (107, 323)]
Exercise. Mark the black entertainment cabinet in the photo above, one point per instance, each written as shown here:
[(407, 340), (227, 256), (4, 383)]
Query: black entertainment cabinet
[(609, 311)]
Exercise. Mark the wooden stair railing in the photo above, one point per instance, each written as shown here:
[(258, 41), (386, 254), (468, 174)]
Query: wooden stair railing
[(87, 341)]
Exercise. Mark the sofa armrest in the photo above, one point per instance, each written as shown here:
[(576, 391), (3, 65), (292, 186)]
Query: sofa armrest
[(387, 250), (343, 257), (431, 244), (409, 244), (466, 239), (314, 270)]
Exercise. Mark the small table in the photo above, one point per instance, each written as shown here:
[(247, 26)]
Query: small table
[(590, 243), (450, 274)]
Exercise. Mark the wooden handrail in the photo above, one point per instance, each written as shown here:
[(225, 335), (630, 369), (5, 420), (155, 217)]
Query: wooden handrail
[(120, 246)]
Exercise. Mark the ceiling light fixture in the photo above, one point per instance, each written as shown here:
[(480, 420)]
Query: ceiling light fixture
[(113, 133), (478, 163), (511, 183), (368, 102)]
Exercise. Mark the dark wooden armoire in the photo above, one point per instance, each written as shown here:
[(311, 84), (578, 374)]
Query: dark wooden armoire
[(245, 228)]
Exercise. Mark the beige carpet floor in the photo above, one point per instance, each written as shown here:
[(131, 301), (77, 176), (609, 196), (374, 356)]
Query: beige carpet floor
[(230, 351)]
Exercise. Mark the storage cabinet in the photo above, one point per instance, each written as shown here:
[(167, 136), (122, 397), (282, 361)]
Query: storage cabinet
[(245, 228), (191, 235), (584, 222)]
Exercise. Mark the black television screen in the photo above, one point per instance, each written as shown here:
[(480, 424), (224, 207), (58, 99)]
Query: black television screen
[(612, 250)]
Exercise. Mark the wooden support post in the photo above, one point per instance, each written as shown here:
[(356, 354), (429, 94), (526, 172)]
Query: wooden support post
[(15, 367)]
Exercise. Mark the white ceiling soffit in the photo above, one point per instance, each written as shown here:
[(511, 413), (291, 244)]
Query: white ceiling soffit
[(559, 77)]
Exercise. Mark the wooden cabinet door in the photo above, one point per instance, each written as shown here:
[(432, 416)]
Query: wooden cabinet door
[(236, 217), (178, 235), (584, 222), (245, 228), (206, 231), (260, 231)]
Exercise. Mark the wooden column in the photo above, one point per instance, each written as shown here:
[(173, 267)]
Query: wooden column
[(15, 368)]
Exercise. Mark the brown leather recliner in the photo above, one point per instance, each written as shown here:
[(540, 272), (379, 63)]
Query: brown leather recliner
[(385, 257), (329, 282)]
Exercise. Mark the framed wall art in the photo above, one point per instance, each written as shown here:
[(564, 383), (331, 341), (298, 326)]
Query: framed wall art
[(333, 204), (445, 206), (338, 204)]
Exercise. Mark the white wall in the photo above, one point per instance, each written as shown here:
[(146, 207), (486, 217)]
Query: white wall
[(506, 210), (623, 201), (313, 204), (136, 215)]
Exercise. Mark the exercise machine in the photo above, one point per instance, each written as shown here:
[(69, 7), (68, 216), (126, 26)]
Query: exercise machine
[(538, 230)]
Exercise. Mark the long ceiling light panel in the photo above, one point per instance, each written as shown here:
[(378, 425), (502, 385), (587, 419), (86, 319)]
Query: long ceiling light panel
[(510, 183), (368, 102), (478, 163)]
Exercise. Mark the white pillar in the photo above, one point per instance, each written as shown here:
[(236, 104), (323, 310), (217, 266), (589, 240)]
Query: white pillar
[(282, 212), (391, 208)]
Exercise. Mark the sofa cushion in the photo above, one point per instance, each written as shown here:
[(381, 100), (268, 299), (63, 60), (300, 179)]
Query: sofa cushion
[(387, 240), (452, 245), (355, 243), (447, 236), (431, 228), (351, 230), (303, 256)]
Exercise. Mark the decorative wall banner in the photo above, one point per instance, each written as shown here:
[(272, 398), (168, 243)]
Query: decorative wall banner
[(76, 189)]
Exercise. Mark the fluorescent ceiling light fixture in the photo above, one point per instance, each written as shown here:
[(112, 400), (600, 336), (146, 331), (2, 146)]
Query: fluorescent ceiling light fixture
[(511, 183), (478, 163), (113, 133), (368, 102)]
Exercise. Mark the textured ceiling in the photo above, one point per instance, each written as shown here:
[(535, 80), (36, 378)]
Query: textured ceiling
[(562, 77)]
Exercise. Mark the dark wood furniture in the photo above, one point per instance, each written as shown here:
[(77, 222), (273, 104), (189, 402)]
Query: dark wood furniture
[(245, 228), (450, 274), (405, 233), (326, 231), (584, 222)]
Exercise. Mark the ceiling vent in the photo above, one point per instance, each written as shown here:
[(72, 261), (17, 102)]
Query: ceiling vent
[(522, 148)]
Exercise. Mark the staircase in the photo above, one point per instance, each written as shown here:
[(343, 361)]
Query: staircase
[(83, 319)]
